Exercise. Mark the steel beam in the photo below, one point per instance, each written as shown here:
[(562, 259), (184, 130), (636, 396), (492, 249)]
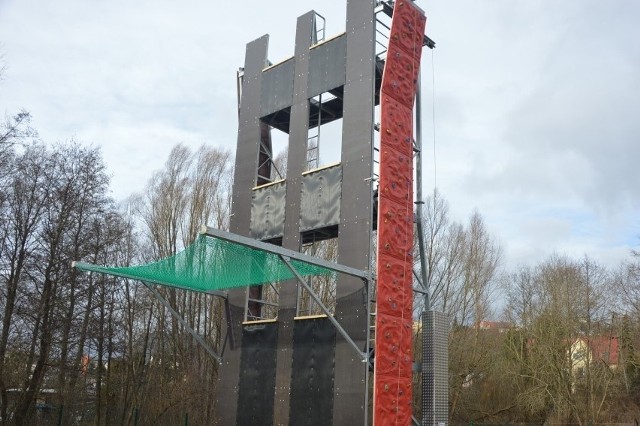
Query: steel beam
[(259, 245)]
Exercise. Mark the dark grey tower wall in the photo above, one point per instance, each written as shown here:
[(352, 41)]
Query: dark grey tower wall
[(248, 147), (244, 179), (296, 162), (354, 238), (265, 373)]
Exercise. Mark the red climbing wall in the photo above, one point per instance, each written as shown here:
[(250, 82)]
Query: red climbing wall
[(393, 345)]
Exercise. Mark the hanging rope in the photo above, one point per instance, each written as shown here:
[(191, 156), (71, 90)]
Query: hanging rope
[(433, 121)]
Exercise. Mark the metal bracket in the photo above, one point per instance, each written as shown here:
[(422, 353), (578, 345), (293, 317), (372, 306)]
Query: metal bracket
[(364, 356)]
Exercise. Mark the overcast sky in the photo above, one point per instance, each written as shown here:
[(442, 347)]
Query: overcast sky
[(537, 103)]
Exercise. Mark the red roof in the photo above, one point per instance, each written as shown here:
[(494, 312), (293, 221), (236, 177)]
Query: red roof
[(494, 325), (605, 348)]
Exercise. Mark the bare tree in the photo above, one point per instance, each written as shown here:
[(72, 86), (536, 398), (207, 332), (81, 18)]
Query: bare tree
[(562, 308), (14, 131), (24, 208), (192, 190), (469, 348), (51, 200), (462, 274), (523, 297), (444, 243)]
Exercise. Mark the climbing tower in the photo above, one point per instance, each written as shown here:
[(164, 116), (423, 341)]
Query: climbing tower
[(282, 365)]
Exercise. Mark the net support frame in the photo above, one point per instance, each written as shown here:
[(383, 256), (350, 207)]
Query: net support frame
[(285, 255)]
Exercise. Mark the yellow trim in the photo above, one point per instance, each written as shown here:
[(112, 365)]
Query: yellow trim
[(277, 63), (306, 317), (264, 321), (264, 185), (327, 40), (328, 166)]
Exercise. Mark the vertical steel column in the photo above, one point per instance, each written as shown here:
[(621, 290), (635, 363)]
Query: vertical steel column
[(354, 239), (420, 201), (296, 164), (246, 169)]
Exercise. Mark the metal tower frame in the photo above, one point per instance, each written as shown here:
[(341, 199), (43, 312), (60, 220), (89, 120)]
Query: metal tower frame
[(266, 372)]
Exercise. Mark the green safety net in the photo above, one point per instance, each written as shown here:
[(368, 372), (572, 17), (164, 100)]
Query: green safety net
[(211, 264)]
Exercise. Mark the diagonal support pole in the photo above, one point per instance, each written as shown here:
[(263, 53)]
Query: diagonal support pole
[(324, 309), (177, 316)]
